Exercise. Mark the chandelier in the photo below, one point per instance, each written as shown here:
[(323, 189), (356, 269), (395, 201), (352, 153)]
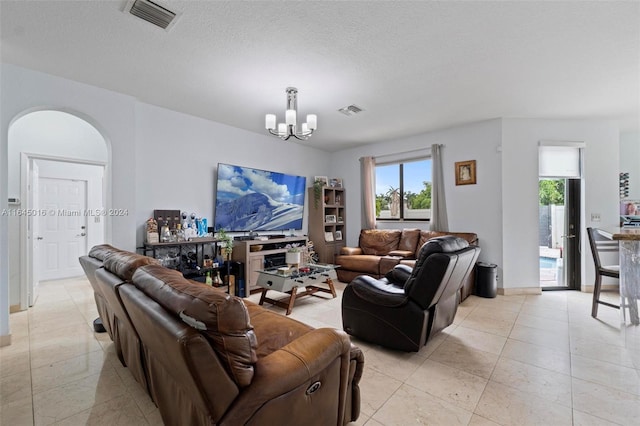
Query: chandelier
[(290, 128)]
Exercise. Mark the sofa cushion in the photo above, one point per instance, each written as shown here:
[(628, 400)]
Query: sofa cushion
[(379, 242), (124, 263), (222, 318), (409, 241), (405, 254), (273, 330), (361, 263), (101, 251)]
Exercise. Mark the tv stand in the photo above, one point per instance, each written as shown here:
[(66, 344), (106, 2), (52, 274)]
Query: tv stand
[(254, 253)]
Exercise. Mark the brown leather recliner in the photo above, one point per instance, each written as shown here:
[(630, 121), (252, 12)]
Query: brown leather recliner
[(409, 305), (212, 358)]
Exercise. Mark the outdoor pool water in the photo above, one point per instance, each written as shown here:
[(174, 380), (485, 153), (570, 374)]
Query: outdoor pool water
[(548, 262)]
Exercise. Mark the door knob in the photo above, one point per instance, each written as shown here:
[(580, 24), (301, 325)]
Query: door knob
[(39, 238), (82, 234)]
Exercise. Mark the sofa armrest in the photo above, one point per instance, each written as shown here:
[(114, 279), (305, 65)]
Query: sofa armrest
[(349, 251), (290, 371)]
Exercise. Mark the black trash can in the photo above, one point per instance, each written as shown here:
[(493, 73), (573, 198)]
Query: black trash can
[(486, 279)]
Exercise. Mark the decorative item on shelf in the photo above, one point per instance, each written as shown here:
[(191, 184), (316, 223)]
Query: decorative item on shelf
[(179, 233), (335, 183), (152, 231), (311, 256), (217, 281), (289, 128), (465, 172), (328, 236), (207, 262), (208, 280), (318, 185), (227, 242), (330, 218), (256, 247), (165, 233), (338, 235)]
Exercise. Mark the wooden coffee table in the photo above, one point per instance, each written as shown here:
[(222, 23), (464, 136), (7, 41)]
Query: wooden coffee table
[(289, 281)]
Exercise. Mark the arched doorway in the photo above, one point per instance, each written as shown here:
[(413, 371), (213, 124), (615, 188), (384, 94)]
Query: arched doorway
[(58, 177)]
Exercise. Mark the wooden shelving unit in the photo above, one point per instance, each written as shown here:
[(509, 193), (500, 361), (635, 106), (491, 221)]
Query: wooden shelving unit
[(327, 222)]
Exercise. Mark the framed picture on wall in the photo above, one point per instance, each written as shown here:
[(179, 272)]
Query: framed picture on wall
[(465, 172)]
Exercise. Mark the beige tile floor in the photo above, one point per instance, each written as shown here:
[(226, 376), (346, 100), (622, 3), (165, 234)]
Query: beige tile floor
[(514, 360)]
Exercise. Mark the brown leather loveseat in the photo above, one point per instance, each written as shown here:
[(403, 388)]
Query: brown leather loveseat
[(379, 250), (206, 357)]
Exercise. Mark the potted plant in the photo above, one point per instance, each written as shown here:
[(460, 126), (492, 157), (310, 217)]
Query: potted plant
[(227, 242), (293, 254), (318, 186)]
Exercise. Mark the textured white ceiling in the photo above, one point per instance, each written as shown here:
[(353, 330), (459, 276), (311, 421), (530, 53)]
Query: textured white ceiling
[(413, 66)]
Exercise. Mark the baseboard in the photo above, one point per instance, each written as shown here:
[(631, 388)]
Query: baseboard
[(5, 340), (604, 287), (519, 291), (14, 308)]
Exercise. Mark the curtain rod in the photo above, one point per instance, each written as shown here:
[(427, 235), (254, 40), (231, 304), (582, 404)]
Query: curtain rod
[(404, 152)]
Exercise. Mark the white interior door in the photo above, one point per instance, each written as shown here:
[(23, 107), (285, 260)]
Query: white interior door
[(34, 225), (63, 229)]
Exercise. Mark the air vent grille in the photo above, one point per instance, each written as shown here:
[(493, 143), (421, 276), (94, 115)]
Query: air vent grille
[(152, 12), (351, 110)]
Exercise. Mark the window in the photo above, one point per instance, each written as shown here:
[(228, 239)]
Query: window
[(403, 190)]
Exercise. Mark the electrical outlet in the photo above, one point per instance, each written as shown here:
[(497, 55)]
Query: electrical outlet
[(595, 217)]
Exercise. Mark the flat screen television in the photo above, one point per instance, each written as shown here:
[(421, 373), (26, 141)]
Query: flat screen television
[(250, 199)]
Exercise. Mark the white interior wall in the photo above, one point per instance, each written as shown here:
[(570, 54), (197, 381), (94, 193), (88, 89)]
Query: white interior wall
[(471, 208), (178, 157), (520, 139), (630, 161), (52, 133)]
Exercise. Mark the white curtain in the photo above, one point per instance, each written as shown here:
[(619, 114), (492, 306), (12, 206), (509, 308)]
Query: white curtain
[(439, 220), (368, 184)]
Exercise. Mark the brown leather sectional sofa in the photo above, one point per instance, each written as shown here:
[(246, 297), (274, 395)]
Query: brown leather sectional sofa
[(206, 357), (379, 250)]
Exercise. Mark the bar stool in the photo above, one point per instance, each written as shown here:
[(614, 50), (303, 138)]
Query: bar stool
[(599, 244)]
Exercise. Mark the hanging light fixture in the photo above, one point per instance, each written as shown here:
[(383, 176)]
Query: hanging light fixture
[(289, 128)]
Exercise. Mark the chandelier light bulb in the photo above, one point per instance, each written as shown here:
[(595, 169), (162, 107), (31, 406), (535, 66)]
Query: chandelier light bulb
[(312, 121), (290, 117), (270, 121)]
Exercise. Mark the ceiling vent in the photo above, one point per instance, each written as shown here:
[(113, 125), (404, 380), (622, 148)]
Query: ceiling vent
[(351, 110), (152, 12)]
